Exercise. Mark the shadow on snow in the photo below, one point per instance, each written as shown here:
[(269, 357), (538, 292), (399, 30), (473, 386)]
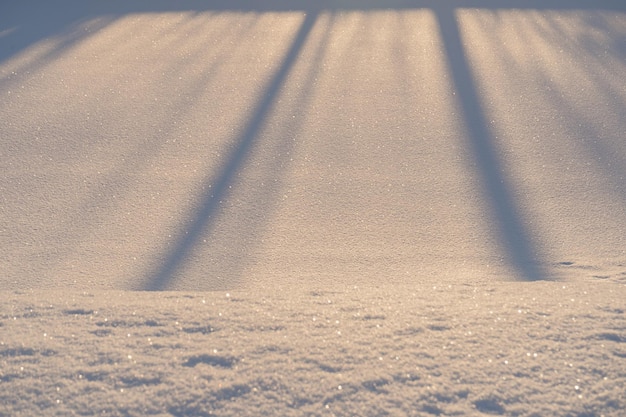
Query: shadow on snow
[(23, 24)]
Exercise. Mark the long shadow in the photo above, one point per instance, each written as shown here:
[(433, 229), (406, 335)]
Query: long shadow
[(23, 24), (27, 22), (202, 220), (517, 242), (98, 200)]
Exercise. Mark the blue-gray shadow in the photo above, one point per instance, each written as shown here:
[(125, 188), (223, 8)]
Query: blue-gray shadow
[(27, 22), (518, 244), (202, 220), (23, 24)]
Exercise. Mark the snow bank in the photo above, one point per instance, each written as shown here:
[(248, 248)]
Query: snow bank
[(531, 349)]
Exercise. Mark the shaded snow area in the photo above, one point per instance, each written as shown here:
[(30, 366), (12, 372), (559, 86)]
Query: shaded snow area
[(518, 349)]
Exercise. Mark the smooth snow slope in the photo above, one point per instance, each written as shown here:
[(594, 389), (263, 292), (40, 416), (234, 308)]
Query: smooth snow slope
[(193, 146), (441, 182)]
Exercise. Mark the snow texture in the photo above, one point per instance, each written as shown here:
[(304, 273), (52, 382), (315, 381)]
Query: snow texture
[(289, 207), (504, 349)]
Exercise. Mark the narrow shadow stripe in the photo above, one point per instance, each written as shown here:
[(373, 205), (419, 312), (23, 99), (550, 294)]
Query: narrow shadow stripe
[(202, 220), (513, 235)]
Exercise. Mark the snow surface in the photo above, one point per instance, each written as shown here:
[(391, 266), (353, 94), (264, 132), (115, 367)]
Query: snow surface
[(532, 349), (404, 207)]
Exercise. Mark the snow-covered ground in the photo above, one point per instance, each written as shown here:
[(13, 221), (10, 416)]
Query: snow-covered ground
[(409, 207), (532, 349)]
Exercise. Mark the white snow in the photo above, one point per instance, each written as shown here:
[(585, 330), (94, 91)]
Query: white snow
[(409, 207), (540, 348)]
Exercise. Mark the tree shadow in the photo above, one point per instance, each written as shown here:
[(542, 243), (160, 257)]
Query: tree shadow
[(566, 104), (201, 222), (23, 24), (137, 155), (518, 245)]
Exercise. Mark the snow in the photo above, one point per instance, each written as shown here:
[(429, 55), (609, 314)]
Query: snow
[(540, 348), (340, 208)]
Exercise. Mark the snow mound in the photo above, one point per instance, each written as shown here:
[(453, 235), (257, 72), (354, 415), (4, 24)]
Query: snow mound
[(523, 349)]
